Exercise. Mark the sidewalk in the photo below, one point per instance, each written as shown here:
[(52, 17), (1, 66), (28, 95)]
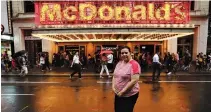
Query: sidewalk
[(65, 72)]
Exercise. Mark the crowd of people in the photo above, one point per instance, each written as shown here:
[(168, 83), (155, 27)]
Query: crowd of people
[(42, 61), (171, 62), (168, 60), (203, 62), (17, 63)]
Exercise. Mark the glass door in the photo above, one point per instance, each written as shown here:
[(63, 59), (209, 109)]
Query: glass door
[(72, 49), (82, 51)]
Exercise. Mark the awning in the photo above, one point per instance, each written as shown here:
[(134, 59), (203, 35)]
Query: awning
[(100, 34)]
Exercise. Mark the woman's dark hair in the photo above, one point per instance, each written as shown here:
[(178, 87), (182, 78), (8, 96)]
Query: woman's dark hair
[(125, 47)]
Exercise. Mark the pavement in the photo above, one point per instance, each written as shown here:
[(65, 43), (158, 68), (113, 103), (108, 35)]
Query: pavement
[(64, 72), (92, 94)]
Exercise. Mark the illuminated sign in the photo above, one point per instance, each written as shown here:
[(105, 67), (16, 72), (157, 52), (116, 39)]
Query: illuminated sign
[(111, 12), (5, 18)]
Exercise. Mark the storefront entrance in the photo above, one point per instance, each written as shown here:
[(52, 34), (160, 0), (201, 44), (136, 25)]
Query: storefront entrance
[(72, 49)]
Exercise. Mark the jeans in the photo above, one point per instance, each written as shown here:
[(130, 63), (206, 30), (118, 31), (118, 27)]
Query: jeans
[(104, 67)]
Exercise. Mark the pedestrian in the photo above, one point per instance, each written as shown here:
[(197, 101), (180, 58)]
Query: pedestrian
[(177, 57), (23, 62), (67, 60), (156, 65), (187, 60), (89, 59), (144, 63), (76, 65), (165, 60), (149, 60), (104, 65), (2, 63), (198, 67), (110, 62), (42, 62), (47, 63), (83, 60), (169, 63), (125, 82), (54, 60), (14, 64), (201, 61), (205, 62), (209, 62)]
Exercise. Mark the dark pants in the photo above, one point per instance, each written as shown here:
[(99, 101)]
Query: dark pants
[(198, 67), (144, 65), (110, 66), (47, 66), (169, 67), (77, 69), (43, 66), (156, 67), (125, 104)]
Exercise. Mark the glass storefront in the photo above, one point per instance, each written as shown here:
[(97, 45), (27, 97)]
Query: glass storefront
[(6, 46), (185, 43)]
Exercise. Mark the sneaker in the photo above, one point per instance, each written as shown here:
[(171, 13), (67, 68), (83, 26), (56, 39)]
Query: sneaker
[(70, 77), (101, 76), (169, 73), (109, 76)]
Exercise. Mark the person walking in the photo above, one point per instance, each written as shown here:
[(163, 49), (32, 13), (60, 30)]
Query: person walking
[(110, 62), (42, 62), (198, 67), (76, 65), (209, 62), (125, 82), (104, 65), (169, 63), (156, 65), (23, 63), (47, 63)]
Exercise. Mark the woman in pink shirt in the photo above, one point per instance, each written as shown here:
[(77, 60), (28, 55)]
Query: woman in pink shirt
[(125, 82)]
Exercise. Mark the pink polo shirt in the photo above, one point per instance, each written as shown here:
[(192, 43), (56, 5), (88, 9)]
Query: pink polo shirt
[(122, 76)]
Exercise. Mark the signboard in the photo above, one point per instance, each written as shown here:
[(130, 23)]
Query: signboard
[(32, 38), (111, 12), (4, 18)]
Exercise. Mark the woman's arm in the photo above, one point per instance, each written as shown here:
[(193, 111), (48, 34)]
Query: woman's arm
[(113, 80), (113, 86), (130, 85)]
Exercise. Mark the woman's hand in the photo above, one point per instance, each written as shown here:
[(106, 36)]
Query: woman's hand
[(114, 89), (120, 93)]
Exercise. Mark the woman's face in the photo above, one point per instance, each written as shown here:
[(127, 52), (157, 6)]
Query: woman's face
[(125, 55), (76, 53)]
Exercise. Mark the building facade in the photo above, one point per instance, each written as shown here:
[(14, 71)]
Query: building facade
[(53, 37), (209, 32), (7, 43)]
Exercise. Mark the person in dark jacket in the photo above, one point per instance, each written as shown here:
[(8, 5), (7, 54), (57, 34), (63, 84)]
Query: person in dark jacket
[(169, 63), (47, 63)]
